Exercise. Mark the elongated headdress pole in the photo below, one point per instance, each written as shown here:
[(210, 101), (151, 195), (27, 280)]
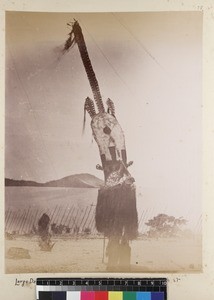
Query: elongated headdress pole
[(76, 36)]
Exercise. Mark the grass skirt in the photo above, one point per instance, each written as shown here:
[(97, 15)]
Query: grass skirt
[(116, 212)]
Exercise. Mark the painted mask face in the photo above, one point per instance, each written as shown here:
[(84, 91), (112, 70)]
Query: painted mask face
[(110, 139)]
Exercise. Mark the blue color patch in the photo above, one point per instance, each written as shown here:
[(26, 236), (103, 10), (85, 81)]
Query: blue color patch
[(143, 296)]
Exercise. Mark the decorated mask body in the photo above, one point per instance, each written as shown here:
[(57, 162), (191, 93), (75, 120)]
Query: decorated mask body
[(110, 139)]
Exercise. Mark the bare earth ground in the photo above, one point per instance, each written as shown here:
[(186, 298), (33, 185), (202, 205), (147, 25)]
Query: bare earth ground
[(85, 255)]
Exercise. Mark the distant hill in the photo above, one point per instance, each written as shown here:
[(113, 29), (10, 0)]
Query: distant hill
[(13, 182), (76, 181)]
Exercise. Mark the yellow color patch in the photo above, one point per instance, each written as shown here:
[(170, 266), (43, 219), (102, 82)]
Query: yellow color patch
[(115, 296)]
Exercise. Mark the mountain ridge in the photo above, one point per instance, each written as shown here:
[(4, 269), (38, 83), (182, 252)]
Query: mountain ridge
[(82, 180)]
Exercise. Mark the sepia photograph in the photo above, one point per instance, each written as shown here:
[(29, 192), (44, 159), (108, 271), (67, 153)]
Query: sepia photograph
[(103, 142)]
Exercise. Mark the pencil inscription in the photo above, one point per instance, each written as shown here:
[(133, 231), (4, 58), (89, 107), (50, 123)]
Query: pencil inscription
[(25, 282)]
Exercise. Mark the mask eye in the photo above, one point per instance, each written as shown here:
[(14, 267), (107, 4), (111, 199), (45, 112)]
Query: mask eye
[(106, 130)]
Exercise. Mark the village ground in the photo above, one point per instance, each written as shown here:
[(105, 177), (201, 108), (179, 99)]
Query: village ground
[(75, 255)]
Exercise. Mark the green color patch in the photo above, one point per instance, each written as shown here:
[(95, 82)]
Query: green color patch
[(129, 296)]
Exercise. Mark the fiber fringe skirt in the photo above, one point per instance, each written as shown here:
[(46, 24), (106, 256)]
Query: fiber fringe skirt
[(116, 212)]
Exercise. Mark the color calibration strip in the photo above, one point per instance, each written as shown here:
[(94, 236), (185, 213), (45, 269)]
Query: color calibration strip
[(101, 289)]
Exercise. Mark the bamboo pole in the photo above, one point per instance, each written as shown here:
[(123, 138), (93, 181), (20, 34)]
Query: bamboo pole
[(74, 222), (34, 219), (63, 215), (92, 218), (71, 217), (13, 220), (8, 218), (68, 215), (83, 216), (57, 215), (16, 222), (51, 217), (7, 215), (26, 224), (87, 216), (24, 220), (21, 221)]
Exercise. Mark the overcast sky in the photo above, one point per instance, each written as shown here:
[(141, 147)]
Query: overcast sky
[(149, 64)]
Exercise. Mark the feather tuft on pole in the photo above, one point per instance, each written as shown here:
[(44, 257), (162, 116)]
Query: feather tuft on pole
[(70, 42)]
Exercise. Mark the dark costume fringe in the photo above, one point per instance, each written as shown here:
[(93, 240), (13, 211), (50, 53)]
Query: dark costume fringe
[(43, 226), (43, 231), (116, 212)]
